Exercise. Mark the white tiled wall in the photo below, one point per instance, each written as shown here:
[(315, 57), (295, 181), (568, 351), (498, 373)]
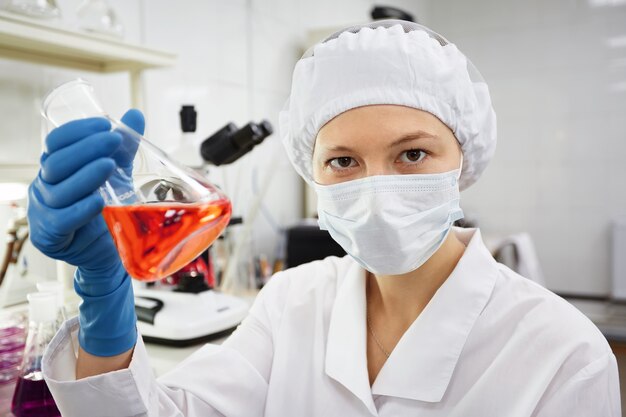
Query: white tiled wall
[(22, 86), (556, 84), (235, 60), (235, 64)]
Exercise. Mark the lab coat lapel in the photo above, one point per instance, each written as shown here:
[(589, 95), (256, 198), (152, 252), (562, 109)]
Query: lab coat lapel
[(346, 359), (421, 365)]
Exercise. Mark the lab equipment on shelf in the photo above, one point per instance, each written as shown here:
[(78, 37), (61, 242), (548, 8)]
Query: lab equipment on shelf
[(99, 17), (43, 9)]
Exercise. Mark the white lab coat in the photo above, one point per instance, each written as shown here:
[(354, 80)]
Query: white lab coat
[(489, 343)]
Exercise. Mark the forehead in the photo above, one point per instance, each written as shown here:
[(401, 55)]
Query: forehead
[(376, 123)]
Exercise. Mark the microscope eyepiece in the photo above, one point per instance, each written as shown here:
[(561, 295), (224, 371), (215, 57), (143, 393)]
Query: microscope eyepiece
[(229, 143)]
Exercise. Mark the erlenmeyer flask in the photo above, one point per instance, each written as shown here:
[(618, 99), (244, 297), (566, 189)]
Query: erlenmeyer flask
[(32, 396), (161, 214)]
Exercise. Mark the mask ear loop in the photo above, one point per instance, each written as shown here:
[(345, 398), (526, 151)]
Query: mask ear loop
[(458, 177)]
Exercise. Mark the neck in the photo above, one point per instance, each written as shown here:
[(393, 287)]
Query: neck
[(402, 298)]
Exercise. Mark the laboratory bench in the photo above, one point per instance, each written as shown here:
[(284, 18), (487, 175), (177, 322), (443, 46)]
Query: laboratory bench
[(610, 317)]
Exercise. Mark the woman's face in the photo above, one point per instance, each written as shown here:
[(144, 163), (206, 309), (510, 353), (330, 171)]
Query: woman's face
[(383, 140)]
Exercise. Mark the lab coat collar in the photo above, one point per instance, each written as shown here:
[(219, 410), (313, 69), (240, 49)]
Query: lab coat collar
[(421, 365)]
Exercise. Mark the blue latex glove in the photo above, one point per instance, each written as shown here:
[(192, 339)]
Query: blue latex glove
[(64, 214)]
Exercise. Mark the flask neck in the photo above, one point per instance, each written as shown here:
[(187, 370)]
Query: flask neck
[(40, 333), (70, 101)]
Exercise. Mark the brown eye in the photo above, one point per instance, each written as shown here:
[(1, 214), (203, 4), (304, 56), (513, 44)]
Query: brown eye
[(342, 162), (413, 155)]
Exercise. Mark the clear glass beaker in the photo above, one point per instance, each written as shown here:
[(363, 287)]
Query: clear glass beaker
[(162, 215), (44, 9), (98, 16)]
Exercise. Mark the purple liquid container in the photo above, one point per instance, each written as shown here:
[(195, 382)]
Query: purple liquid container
[(12, 340), (32, 396), (33, 399)]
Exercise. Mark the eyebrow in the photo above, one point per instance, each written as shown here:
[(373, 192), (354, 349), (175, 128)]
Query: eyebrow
[(420, 134)]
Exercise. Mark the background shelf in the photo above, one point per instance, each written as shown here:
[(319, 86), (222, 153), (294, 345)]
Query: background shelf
[(49, 43)]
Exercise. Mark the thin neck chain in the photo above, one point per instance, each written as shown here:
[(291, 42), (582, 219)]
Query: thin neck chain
[(369, 324)]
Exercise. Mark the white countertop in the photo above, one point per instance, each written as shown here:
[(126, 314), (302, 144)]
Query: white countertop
[(610, 317)]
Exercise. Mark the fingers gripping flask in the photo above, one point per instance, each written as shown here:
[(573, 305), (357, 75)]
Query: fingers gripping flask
[(162, 215)]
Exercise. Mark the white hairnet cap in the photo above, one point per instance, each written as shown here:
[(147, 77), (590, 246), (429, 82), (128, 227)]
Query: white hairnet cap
[(389, 62)]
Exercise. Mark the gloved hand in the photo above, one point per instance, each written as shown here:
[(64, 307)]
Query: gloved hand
[(64, 214)]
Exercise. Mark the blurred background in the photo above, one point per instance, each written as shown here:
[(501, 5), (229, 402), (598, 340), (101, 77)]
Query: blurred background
[(556, 71), (554, 194)]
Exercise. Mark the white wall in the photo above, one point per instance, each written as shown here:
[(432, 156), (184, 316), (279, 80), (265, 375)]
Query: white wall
[(235, 60), (235, 63), (22, 129), (558, 88), (22, 86), (559, 92)]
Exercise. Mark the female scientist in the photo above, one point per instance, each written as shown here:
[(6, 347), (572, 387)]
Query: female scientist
[(387, 122)]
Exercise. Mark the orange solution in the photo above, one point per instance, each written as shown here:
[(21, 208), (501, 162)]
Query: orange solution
[(157, 239)]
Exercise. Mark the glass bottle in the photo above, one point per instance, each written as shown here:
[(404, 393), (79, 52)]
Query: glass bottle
[(56, 288), (32, 396), (188, 150), (99, 17), (43, 9)]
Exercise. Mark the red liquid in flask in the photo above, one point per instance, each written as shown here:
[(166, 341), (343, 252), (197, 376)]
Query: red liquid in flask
[(32, 398), (157, 239)]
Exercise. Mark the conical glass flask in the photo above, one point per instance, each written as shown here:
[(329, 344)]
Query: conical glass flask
[(56, 288), (32, 396), (161, 214)]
